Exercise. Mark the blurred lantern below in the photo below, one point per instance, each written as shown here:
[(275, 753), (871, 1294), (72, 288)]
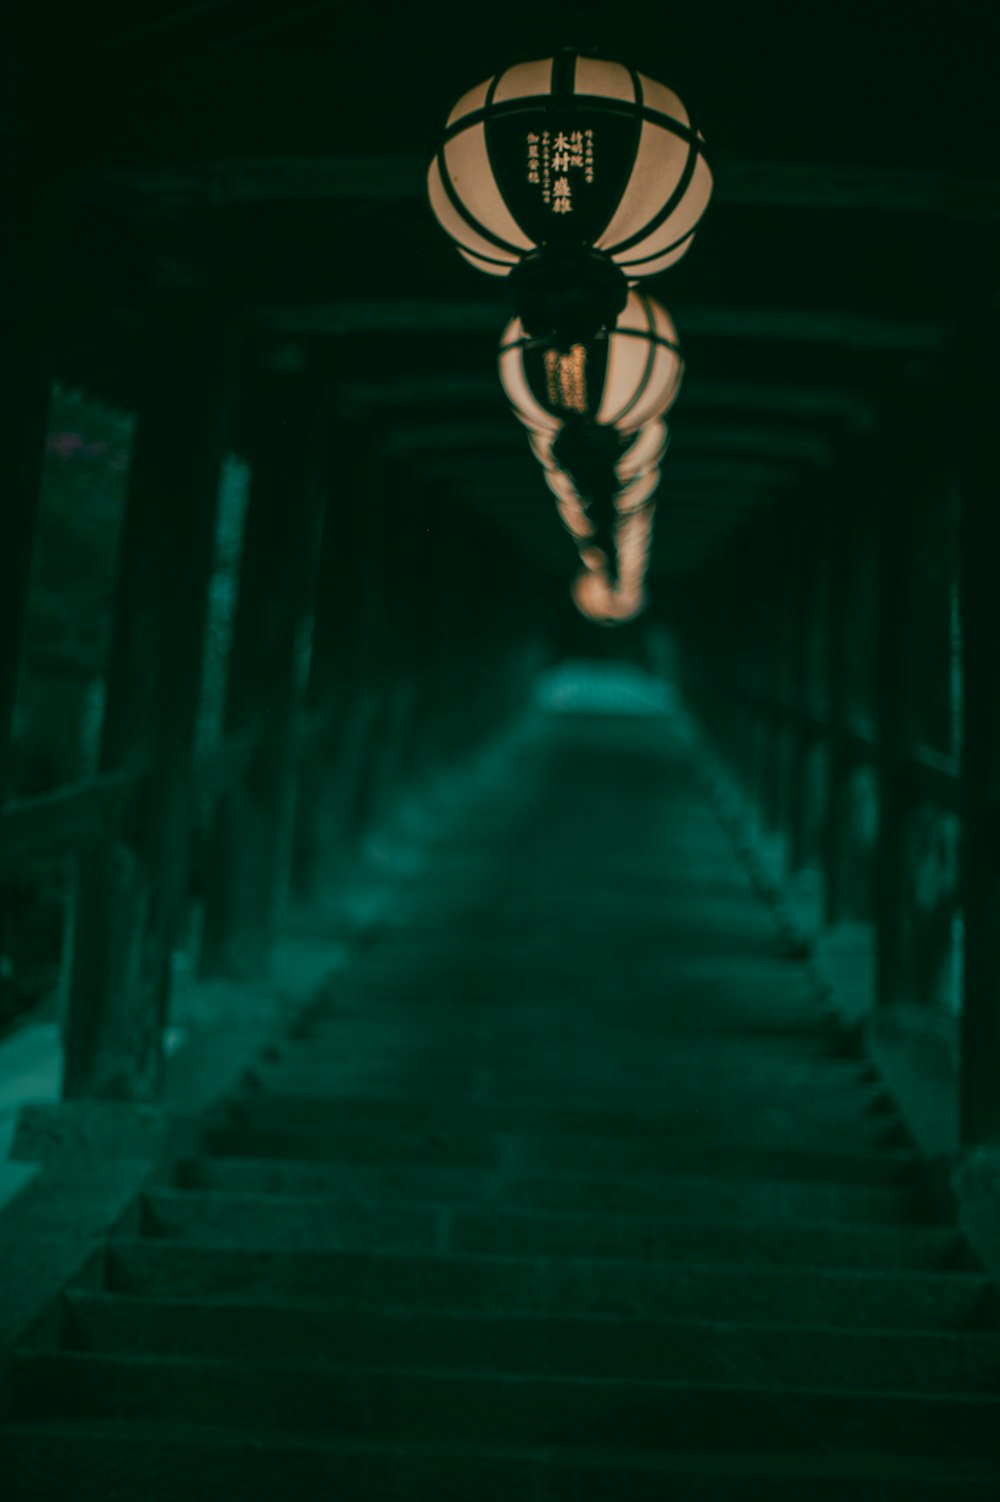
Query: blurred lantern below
[(612, 600), (622, 378)]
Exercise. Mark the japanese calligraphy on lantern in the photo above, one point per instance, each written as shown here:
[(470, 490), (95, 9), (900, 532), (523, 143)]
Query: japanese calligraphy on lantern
[(566, 378), (559, 164)]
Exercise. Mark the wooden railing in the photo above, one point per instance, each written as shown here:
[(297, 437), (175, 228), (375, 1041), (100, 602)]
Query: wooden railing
[(760, 738), (50, 825)]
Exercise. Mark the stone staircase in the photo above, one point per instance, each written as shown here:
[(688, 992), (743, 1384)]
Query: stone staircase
[(567, 1191)]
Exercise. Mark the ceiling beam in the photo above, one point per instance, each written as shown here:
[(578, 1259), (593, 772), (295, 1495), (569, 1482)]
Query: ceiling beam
[(459, 438), (699, 393), (689, 437), (856, 331), (751, 396), (758, 183)]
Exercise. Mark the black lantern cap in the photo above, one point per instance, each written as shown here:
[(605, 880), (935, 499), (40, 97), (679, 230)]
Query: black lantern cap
[(567, 293), (588, 452)]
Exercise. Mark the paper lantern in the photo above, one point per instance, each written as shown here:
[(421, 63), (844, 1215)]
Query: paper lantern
[(580, 173)]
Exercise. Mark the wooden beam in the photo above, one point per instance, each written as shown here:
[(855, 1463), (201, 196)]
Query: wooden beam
[(840, 559), (751, 396), (855, 331), (739, 182), (36, 204), (898, 466), (465, 452), (859, 331), (133, 890), (689, 437), (453, 437), (699, 393), (277, 580), (978, 393)]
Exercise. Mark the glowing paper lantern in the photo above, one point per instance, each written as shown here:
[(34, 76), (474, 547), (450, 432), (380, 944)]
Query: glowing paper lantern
[(580, 173), (623, 378), (612, 602), (645, 452)]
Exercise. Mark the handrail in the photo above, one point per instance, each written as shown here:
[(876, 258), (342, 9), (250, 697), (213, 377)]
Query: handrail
[(33, 830), (934, 775), (54, 824)]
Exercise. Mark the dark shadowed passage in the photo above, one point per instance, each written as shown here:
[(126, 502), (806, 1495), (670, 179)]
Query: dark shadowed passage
[(567, 1186), (499, 752)]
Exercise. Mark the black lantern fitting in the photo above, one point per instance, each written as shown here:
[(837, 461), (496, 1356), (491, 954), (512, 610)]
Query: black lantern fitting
[(567, 293)]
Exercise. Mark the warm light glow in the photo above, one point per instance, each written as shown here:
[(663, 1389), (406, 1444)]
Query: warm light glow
[(645, 452), (593, 558), (572, 511), (625, 378), (599, 600), (566, 379), (645, 366), (595, 596), (637, 494), (570, 150), (541, 446)]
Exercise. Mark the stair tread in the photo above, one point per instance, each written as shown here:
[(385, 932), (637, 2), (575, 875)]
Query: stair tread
[(851, 1464), (513, 1150), (154, 1362), (445, 1183), (545, 1409), (240, 1218), (594, 1344), (846, 1295), (566, 1186)]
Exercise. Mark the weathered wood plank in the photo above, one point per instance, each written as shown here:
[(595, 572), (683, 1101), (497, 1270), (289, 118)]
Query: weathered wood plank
[(277, 579), (133, 889)]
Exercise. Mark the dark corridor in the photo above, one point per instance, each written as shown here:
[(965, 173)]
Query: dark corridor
[(567, 1186), (499, 938)]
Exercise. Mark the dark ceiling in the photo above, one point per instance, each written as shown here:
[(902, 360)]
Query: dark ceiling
[(857, 201)]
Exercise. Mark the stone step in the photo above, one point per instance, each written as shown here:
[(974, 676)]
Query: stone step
[(356, 1224), (750, 1355), (448, 1017), (625, 1192), (298, 1080), (559, 1052), (206, 1465), (840, 1298), (520, 1152), (545, 1011), (576, 1050), (805, 1119), (648, 1079), (369, 1403)]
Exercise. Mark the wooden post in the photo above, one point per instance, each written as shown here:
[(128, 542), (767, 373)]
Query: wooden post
[(402, 626), (893, 479), (276, 588), (804, 541), (133, 891), (372, 744), (776, 580), (36, 208), (341, 695), (332, 690), (448, 558), (839, 558), (978, 393)]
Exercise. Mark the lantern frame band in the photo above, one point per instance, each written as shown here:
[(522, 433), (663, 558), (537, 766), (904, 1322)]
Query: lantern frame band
[(648, 336), (636, 110)]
